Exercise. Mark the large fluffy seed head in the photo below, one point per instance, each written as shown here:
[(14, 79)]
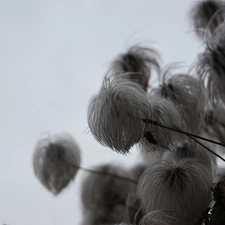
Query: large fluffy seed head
[(105, 195), (211, 68), (114, 115), (56, 160), (139, 61), (163, 112), (190, 98), (184, 188), (159, 218), (207, 15)]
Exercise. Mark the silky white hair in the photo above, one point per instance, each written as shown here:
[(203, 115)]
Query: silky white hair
[(158, 217), (206, 16), (56, 161), (163, 112), (189, 96), (104, 195), (139, 61), (114, 115), (184, 188)]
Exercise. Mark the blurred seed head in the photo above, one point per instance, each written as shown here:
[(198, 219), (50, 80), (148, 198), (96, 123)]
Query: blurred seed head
[(184, 188), (56, 160), (139, 61), (114, 115), (206, 16), (105, 196), (159, 218)]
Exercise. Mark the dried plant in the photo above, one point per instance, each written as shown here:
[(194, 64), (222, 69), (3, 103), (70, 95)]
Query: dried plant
[(56, 161)]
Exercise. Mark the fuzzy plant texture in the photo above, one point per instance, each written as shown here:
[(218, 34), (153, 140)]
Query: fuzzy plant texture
[(178, 128)]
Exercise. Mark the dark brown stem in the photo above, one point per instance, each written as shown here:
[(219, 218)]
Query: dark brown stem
[(183, 132), (192, 136), (107, 174)]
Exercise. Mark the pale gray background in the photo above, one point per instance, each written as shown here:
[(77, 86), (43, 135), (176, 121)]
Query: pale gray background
[(53, 55)]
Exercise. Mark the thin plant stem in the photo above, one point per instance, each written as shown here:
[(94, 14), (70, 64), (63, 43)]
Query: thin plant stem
[(107, 174), (216, 120), (192, 136), (183, 132), (208, 149)]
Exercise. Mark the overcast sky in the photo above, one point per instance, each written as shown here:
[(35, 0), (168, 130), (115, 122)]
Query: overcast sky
[(53, 57)]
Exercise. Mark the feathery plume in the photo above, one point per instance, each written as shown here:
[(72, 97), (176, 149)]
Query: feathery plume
[(114, 115), (188, 95), (159, 218), (206, 16), (184, 188), (157, 138), (139, 61), (106, 196), (56, 161)]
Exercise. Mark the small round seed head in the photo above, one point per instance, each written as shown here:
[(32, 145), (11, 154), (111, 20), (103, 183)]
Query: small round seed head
[(114, 115), (56, 161)]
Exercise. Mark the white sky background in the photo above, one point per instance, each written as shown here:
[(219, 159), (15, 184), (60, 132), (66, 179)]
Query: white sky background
[(53, 55)]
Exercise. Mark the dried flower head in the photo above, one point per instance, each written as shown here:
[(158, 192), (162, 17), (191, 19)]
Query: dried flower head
[(207, 15), (159, 218), (157, 138), (184, 188), (114, 115), (188, 95), (105, 196), (139, 61), (56, 161)]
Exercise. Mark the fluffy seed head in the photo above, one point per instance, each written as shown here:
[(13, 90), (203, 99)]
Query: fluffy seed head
[(184, 188), (160, 139), (188, 95), (56, 160), (114, 115), (207, 15), (139, 61)]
